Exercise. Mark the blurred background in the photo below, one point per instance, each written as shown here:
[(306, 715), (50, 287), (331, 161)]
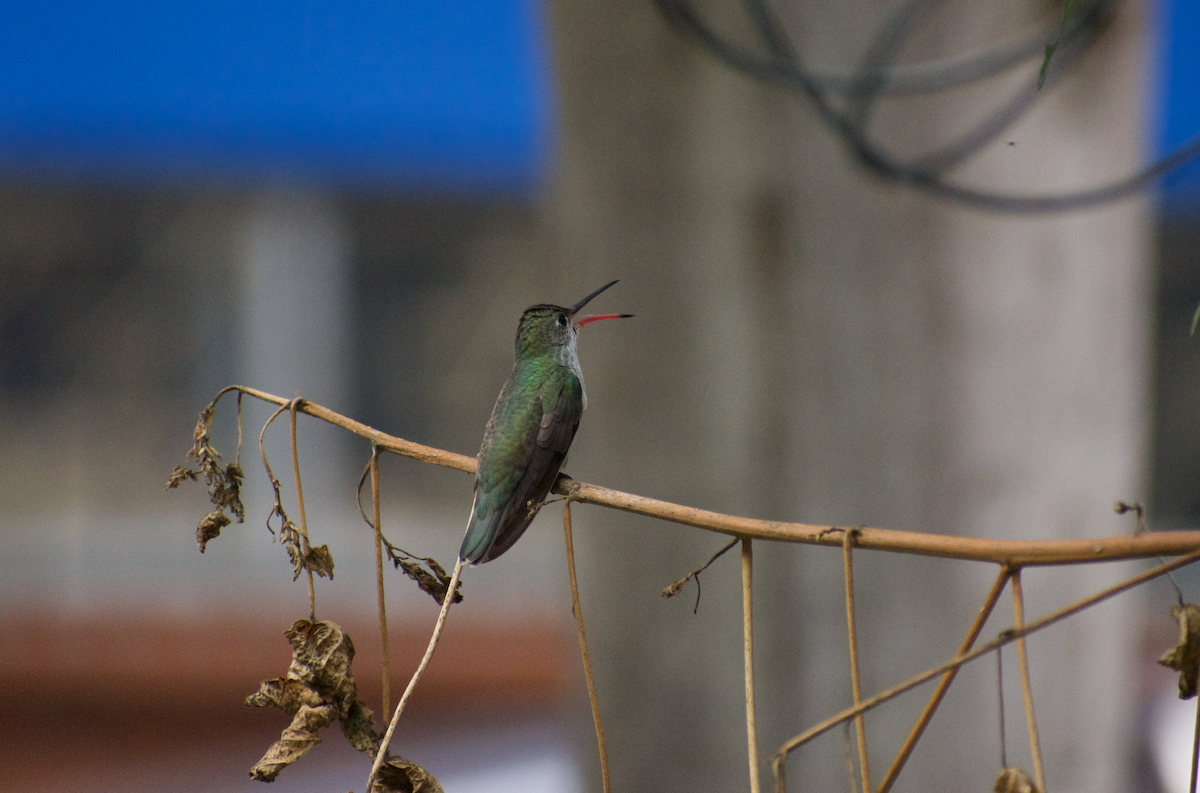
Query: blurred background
[(355, 202)]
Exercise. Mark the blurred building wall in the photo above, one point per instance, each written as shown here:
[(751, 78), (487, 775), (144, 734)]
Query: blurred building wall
[(816, 345)]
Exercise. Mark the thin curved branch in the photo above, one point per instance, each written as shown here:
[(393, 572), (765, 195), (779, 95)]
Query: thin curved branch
[(779, 761), (1014, 553), (1017, 553)]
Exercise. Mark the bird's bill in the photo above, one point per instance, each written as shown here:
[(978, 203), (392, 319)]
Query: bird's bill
[(575, 308), (579, 323)]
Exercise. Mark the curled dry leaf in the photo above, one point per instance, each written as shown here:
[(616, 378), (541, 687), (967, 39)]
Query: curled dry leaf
[(1014, 780), (433, 581), (289, 537), (317, 690), (320, 561), (224, 484), (179, 475), (398, 775), (210, 526), (1184, 658)]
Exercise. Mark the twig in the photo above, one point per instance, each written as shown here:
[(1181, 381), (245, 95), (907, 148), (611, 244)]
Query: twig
[(387, 443), (583, 648), (1035, 745), (1021, 553), (383, 625), (1000, 700), (237, 458), (412, 683), (305, 545), (1195, 749), (675, 588), (855, 671), (1142, 527), (848, 757), (943, 686), (779, 761), (298, 550), (748, 658)]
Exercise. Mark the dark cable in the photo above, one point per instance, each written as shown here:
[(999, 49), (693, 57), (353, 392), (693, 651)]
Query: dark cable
[(780, 64)]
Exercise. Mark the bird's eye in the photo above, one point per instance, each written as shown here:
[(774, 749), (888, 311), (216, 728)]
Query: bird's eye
[(562, 320)]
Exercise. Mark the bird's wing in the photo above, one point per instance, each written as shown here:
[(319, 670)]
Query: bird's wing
[(497, 526)]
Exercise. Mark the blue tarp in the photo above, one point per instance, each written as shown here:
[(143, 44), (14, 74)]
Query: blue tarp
[(403, 93)]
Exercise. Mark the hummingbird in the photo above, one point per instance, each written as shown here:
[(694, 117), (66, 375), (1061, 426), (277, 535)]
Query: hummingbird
[(531, 428)]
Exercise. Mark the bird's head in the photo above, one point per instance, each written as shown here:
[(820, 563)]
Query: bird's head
[(545, 327)]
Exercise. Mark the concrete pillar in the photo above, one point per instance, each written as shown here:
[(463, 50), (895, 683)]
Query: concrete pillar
[(817, 345)]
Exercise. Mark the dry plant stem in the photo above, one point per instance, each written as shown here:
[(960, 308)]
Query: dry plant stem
[(412, 683), (943, 686), (1018, 553), (1195, 749), (383, 627), (387, 443), (305, 546), (779, 761), (1035, 745), (748, 658), (1000, 702), (1014, 552), (848, 757), (860, 726), (262, 449), (237, 458), (583, 648), (1011, 555)]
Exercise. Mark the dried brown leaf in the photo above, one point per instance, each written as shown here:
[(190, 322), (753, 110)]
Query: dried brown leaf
[(1184, 658), (359, 728), (180, 475), (224, 484), (210, 526), (320, 561), (1014, 780), (317, 690), (433, 581), (289, 536), (398, 775), (230, 491)]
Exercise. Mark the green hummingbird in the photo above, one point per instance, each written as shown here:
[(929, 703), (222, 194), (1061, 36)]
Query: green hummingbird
[(531, 428)]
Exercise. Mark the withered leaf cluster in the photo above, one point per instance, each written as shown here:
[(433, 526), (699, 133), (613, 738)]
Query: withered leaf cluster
[(318, 690), (1184, 658), (224, 483), (319, 559), (434, 580), (1014, 780)]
